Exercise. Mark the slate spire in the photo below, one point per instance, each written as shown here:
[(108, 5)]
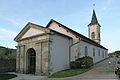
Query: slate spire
[(94, 19)]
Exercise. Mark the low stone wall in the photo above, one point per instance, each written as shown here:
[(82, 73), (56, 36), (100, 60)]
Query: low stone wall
[(7, 65)]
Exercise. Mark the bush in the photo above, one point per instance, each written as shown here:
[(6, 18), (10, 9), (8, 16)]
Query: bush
[(78, 64), (73, 65), (83, 62), (86, 61)]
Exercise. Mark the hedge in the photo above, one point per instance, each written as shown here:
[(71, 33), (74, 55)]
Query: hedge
[(83, 62)]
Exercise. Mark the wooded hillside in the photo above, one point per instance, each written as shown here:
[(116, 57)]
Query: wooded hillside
[(114, 53), (7, 52)]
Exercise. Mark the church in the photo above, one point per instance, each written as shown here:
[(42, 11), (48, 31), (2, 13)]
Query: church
[(46, 50)]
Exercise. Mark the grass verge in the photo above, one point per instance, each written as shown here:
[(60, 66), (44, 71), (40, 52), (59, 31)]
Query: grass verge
[(7, 76), (69, 73)]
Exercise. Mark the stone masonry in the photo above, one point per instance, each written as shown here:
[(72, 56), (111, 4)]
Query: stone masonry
[(41, 46)]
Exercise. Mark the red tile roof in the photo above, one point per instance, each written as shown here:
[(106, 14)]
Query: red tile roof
[(76, 34)]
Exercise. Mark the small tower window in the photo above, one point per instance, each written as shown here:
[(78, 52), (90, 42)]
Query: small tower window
[(99, 35), (93, 35)]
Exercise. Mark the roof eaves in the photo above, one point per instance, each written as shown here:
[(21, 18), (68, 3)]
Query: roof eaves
[(61, 34), (78, 35), (63, 26), (94, 24)]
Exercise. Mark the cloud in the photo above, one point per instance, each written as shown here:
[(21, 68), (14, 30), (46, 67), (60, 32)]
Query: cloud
[(105, 9), (6, 38), (111, 40), (109, 2), (6, 34), (13, 21)]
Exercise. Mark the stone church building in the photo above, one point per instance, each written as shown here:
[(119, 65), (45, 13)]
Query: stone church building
[(46, 50)]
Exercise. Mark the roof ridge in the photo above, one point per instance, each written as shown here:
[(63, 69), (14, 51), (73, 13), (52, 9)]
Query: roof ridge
[(76, 33)]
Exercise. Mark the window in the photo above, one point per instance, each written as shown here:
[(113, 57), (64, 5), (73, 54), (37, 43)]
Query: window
[(86, 51), (106, 54), (78, 55), (99, 35), (98, 52), (103, 54), (93, 51), (93, 35)]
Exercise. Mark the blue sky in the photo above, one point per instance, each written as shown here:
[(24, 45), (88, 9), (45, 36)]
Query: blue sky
[(76, 14)]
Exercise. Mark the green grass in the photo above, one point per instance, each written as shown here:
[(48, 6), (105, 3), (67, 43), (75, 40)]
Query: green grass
[(7, 76), (69, 72)]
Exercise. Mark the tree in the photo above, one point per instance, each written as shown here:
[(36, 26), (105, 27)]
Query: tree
[(114, 53), (6, 51)]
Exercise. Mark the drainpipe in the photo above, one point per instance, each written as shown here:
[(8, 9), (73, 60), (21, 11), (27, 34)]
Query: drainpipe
[(70, 49)]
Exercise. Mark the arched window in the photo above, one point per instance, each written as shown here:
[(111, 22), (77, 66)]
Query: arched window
[(93, 35), (86, 51), (93, 51)]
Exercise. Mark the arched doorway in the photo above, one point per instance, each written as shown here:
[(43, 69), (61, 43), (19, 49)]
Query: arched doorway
[(31, 61)]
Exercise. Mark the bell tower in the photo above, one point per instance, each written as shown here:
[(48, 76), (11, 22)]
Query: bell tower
[(94, 29)]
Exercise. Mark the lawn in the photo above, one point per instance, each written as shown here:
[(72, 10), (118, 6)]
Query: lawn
[(69, 72), (7, 76)]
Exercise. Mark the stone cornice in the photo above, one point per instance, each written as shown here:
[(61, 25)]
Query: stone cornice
[(33, 36)]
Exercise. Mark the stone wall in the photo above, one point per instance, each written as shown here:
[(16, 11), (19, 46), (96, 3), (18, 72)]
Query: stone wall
[(40, 44), (7, 65)]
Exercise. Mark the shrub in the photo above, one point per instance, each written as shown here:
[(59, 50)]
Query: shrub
[(78, 64), (85, 61), (73, 65)]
